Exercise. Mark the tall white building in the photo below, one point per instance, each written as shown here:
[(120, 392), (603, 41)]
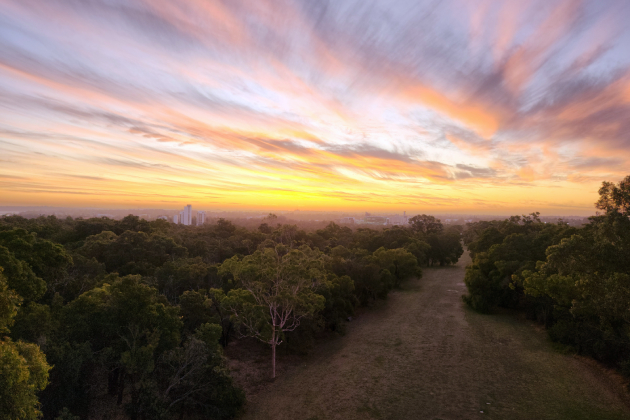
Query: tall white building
[(201, 218), (176, 219), (185, 216)]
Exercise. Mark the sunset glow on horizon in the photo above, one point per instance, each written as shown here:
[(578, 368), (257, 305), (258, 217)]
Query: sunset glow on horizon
[(501, 107)]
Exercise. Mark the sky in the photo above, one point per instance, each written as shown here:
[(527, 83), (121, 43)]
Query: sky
[(488, 107)]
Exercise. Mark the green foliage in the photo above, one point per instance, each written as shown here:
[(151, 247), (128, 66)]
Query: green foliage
[(196, 309), (341, 300), (23, 372), (9, 302), (445, 248), (204, 306), (83, 275), (175, 277), (65, 414), (503, 251), (615, 198), (20, 277), (576, 282), (70, 377), (419, 249), (336, 235), (400, 263), (140, 302), (23, 367), (278, 291), (588, 285), (425, 224), (373, 275), (113, 315), (34, 323), (198, 379), (47, 259), (129, 325), (131, 252)]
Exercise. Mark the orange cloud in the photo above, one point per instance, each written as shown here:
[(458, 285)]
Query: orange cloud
[(292, 103)]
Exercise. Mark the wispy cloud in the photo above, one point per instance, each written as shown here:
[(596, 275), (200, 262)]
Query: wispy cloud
[(324, 104)]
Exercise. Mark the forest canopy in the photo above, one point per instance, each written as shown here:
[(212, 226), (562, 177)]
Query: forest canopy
[(575, 281), (137, 313)]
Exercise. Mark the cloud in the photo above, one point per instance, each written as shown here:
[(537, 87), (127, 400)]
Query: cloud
[(345, 100)]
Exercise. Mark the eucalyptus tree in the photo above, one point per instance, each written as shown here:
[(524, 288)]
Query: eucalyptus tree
[(277, 291), (23, 366), (426, 224)]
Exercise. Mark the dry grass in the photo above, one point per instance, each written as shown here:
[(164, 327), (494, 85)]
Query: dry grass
[(424, 355)]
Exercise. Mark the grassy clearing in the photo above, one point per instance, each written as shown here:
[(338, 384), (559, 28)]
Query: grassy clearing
[(424, 355)]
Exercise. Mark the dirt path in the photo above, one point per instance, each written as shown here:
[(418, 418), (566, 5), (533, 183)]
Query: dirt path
[(424, 355)]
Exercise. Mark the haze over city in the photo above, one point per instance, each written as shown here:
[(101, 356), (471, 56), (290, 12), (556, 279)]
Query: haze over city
[(491, 107)]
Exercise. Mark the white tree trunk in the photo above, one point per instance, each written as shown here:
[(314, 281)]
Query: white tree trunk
[(273, 353)]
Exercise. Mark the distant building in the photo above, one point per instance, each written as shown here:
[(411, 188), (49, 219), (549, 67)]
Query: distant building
[(398, 220), (376, 220), (176, 219), (201, 218), (185, 216), (162, 218), (348, 220)]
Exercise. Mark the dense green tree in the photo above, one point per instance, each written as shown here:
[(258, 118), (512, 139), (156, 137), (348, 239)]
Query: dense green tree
[(93, 324), (490, 277), (23, 367), (175, 277), (34, 323), (197, 379), (341, 300), (399, 262), (20, 277), (615, 198), (47, 259), (221, 314), (585, 281), (195, 308), (575, 281), (278, 291), (9, 302), (84, 274), (425, 224), (202, 306), (23, 372), (445, 248), (129, 325), (132, 252)]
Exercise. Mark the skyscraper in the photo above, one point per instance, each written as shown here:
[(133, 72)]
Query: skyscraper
[(186, 216), (201, 218), (176, 219)]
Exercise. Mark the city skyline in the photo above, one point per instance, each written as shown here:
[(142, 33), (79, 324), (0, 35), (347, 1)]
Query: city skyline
[(491, 107)]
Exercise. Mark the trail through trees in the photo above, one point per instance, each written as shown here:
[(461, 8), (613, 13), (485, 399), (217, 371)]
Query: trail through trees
[(424, 355)]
